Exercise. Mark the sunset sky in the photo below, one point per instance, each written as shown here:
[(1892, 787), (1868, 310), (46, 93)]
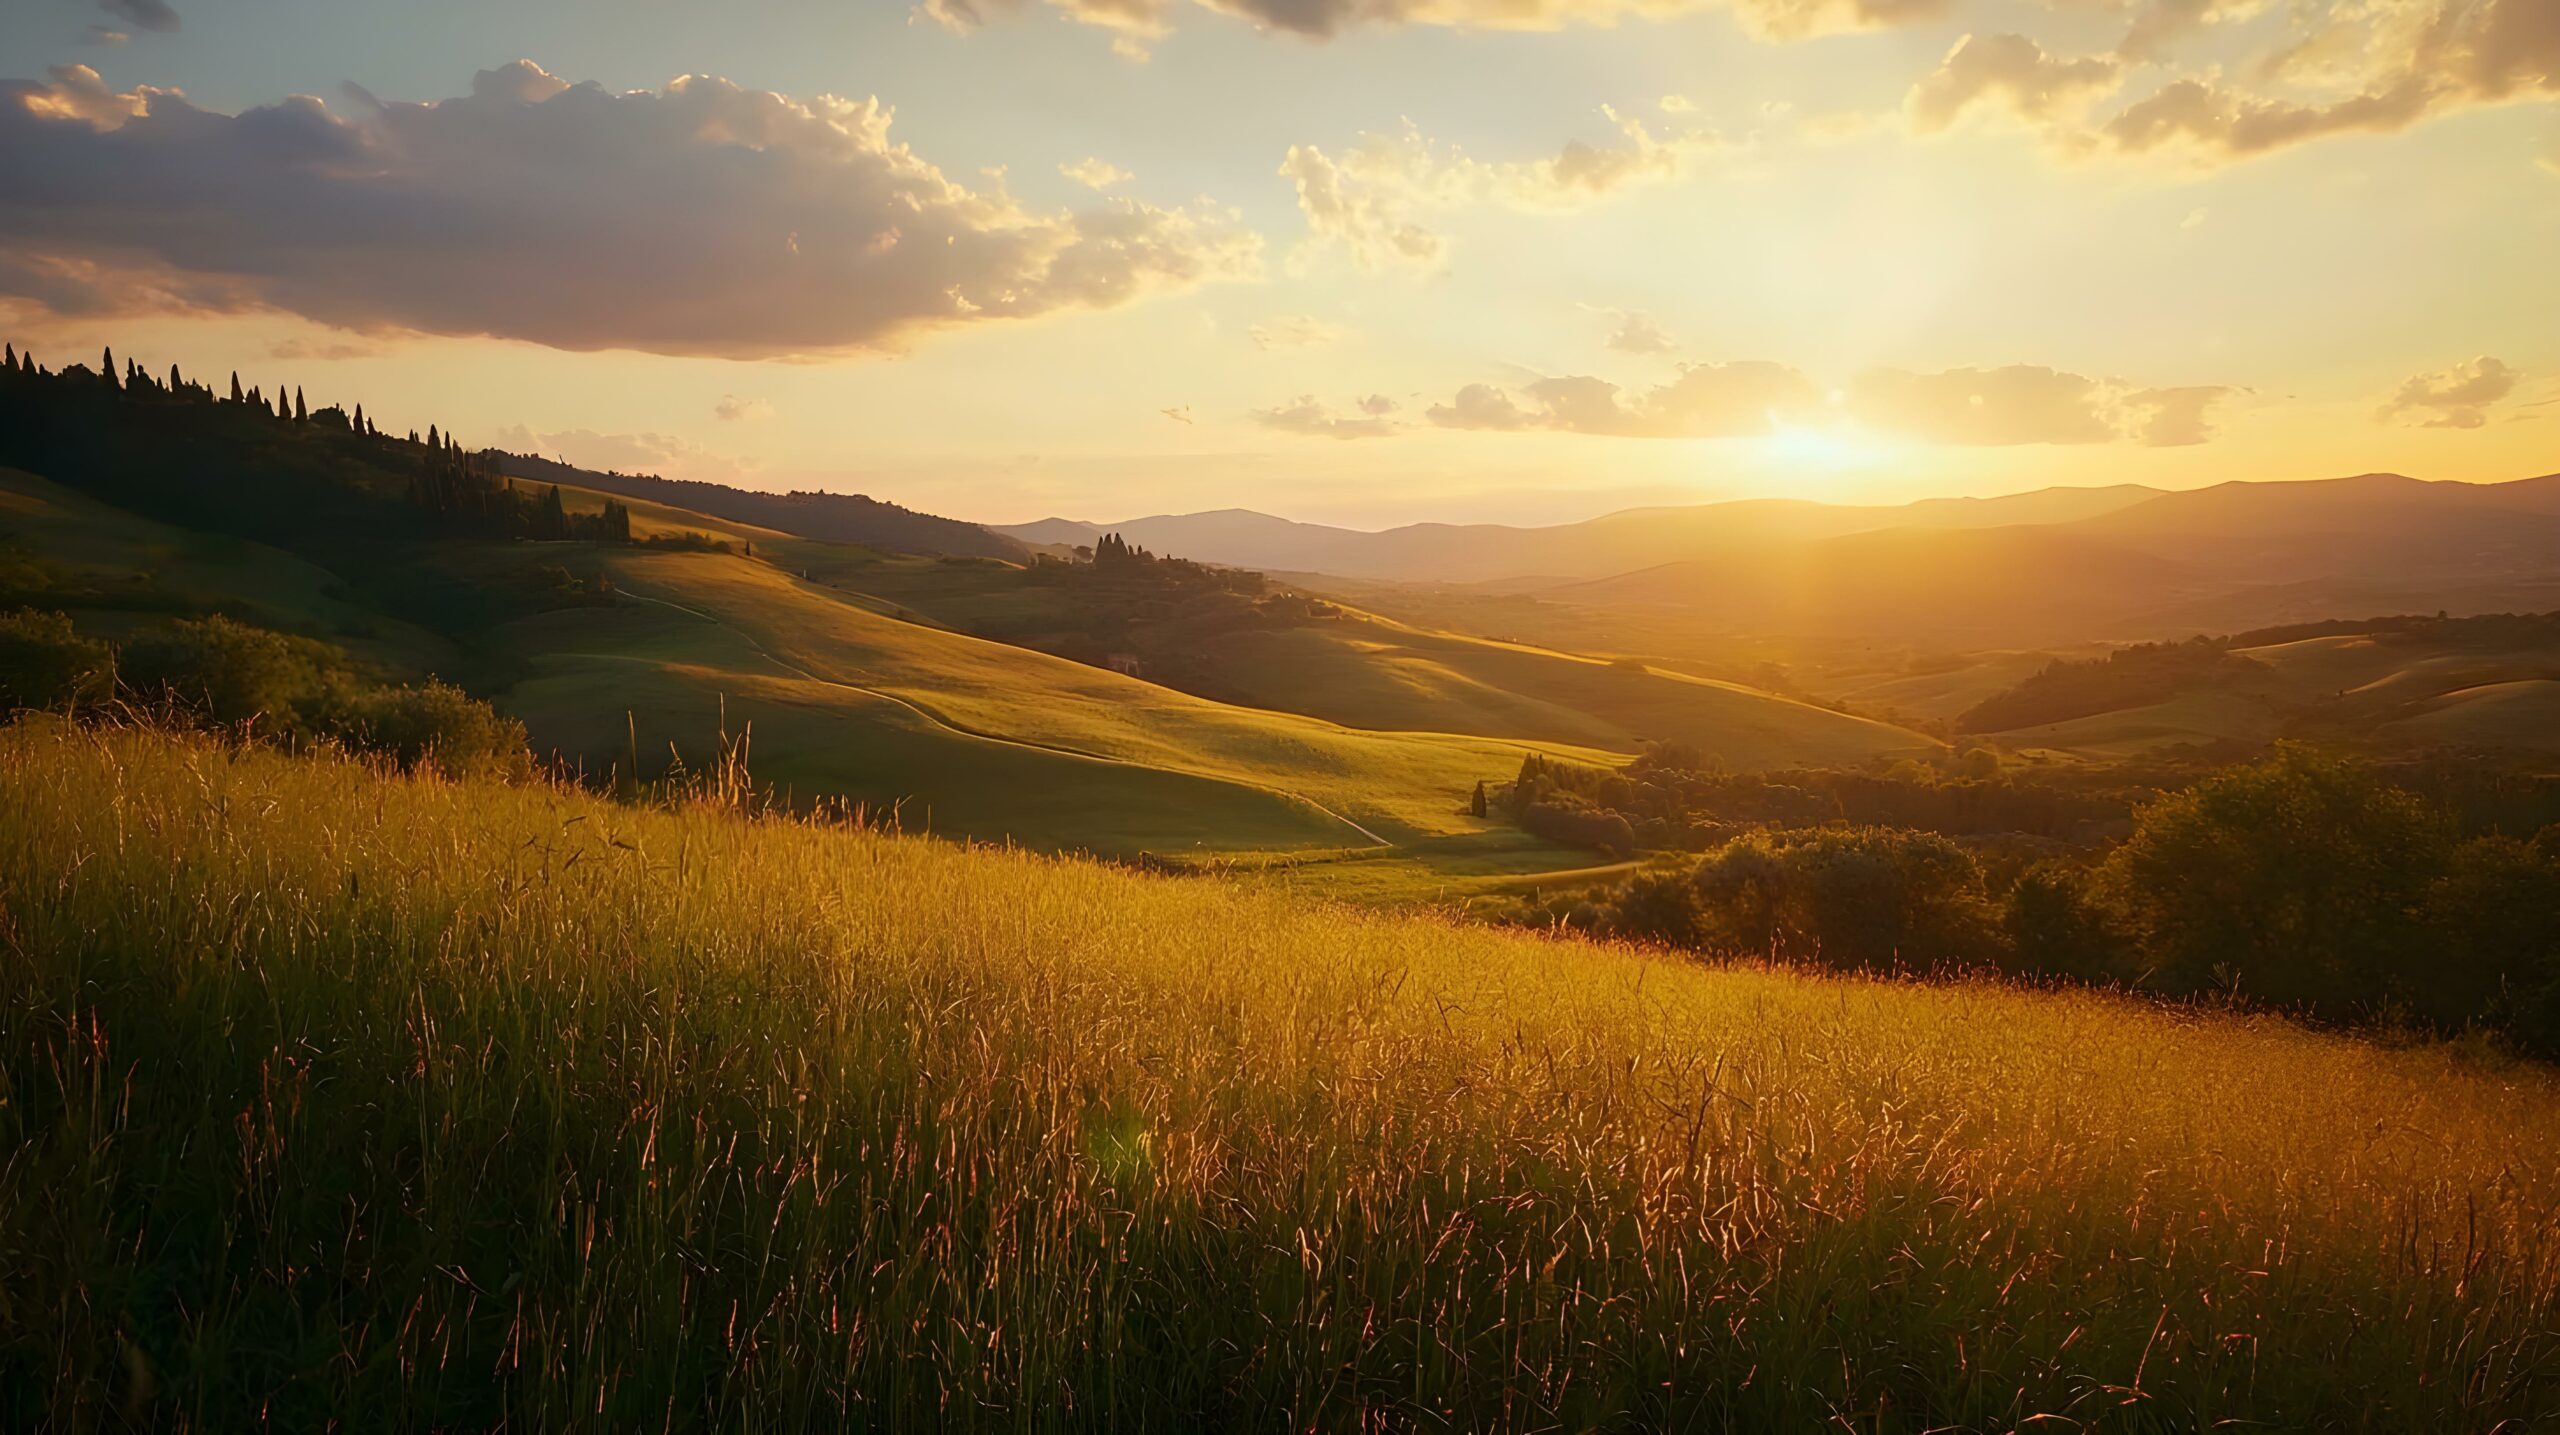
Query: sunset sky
[(1360, 261)]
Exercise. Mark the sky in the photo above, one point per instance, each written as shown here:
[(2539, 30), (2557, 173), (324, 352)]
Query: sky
[(1355, 261)]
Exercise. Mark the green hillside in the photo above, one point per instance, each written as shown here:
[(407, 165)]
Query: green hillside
[(716, 614), (2478, 683), (338, 1098), (1364, 670)]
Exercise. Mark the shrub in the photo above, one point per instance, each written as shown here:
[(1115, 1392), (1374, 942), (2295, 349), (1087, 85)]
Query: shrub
[(1657, 907), (434, 725), (2492, 943), (2297, 879), (1862, 897), (2054, 926), (44, 664), (227, 672)]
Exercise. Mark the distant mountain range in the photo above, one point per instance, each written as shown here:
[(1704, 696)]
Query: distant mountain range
[(2055, 564), (1598, 548)]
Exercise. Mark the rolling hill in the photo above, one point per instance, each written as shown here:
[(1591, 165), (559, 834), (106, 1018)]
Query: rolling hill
[(337, 1093), (835, 517), (2483, 683)]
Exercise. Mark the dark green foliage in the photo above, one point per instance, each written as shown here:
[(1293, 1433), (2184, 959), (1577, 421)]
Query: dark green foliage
[(1865, 898), (2053, 925), (2297, 880), (835, 517), (229, 673), (2492, 940), (2129, 677), (45, 664), (433, 725)]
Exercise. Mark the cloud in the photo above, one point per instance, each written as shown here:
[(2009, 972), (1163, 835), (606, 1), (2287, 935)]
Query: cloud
[(662, 454), (1638, 334), (1371, 197), (2455, 398), (1705, 401), (1095, 174), (2030, 404), (1294, 331), (698, 219), (145, 14), (1133, 20), (1312, 418), (2008, 72), (2398, 63), (733, 409), (325, 350), (2019, 404), (2160, 21)]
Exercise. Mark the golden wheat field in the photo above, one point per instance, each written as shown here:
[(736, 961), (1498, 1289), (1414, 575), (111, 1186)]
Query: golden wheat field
[(329, 1096)]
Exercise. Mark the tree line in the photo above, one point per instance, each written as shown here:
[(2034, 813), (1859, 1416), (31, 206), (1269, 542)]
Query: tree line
[(2303, 881)]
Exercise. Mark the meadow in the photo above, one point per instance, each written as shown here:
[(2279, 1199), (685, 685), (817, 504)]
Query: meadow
[(330, 1095)]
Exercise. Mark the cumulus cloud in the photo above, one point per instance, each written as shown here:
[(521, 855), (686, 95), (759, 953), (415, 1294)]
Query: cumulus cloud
[(733, 409), (1095, 174), (143, 14), (2008, 72), (2374, 67), (1705, 401), (2020, 404), (665, 455), (1312, 418), (1134, 20), (2030, 404), (2455, 398), (699, 219), (1371, 198), (1293, 331), (1638, 334)]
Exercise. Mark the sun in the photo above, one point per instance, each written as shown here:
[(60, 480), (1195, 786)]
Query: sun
[(1819, 448)]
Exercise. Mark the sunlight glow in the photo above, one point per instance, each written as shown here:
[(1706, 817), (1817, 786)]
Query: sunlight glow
[(1827, 447)]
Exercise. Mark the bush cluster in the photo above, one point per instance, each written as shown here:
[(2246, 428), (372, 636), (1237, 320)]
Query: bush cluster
[(2303, 881), (217, 672)]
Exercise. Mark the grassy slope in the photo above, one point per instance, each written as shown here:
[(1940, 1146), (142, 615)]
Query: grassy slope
[(116, 571), (1378, 673), (1403, 786), (425, 1106), (2488, 698), (2517, 714)]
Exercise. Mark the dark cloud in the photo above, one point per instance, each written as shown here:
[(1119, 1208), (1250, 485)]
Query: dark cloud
[(1320, 19), (148, 14), (700, 219)]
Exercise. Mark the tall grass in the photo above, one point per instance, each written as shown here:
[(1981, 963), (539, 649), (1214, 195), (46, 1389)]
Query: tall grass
[(332, 1095)]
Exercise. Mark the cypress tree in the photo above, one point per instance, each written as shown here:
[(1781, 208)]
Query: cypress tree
[(299, 412), (177, 381), (1477, 807), (13, 358), (107, 366), (236, 395), (434, 439)]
